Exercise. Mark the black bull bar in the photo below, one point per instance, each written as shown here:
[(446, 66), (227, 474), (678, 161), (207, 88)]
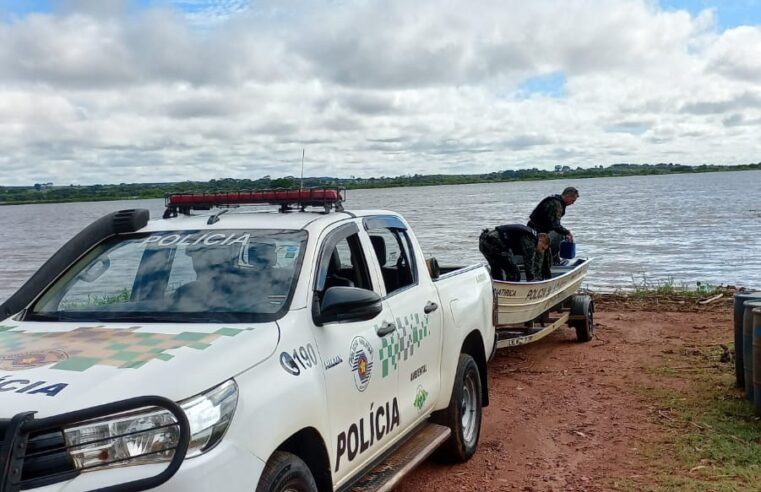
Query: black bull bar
[(15, 450)]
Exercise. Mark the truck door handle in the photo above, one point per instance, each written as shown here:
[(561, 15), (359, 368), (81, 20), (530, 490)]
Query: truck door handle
[(430, 307), (385, 328)]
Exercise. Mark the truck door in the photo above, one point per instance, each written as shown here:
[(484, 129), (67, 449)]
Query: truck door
[(413, 299), (364, 409)]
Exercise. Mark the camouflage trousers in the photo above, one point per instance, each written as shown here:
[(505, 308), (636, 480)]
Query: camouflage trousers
[(499, 256)]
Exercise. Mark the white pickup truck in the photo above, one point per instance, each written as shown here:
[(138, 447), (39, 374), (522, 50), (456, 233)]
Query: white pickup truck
[(250, 351)]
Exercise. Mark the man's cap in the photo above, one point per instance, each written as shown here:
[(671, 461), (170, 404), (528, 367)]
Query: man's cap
[(571, 191)]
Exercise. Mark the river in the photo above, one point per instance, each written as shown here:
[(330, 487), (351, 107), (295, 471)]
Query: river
[(680, 229)]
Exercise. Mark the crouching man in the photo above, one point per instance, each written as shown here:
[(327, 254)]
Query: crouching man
[(500, 245)]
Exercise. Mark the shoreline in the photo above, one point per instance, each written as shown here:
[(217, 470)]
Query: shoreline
[(159, 191)]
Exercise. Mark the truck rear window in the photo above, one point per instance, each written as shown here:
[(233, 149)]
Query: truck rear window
[(180, 276)]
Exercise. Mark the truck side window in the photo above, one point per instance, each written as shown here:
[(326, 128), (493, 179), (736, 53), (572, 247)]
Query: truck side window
[(394, 252), (345, 265)]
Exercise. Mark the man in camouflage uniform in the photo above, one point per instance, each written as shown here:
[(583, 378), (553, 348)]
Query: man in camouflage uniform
[(500, 245), (546, 216)]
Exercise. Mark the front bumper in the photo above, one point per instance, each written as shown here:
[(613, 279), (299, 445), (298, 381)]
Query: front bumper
[(227, 467)]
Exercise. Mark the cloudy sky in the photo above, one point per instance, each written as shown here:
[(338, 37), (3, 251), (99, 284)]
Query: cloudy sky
[(109, 91)]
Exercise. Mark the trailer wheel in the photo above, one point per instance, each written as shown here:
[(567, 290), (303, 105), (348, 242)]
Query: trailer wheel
[(582, 310), (286, 472), (463, 416)]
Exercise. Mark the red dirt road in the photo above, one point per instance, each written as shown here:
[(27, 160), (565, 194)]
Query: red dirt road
[(572, 417)]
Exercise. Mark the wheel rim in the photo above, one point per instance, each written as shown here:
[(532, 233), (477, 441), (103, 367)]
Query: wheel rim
[(469, 409), (591, 319)]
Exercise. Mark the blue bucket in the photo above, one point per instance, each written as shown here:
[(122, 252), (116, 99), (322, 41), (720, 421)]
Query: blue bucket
[(567, 249)]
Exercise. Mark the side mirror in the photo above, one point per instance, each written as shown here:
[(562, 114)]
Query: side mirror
[(349, 304)]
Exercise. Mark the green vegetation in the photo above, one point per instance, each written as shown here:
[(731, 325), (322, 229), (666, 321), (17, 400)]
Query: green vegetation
[(121, 297), (711, 439), (648, 288), (714, 440), (49, 193), (95, 300)]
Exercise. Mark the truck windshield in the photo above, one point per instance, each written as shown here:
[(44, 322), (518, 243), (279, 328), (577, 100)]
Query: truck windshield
[(179, 276)]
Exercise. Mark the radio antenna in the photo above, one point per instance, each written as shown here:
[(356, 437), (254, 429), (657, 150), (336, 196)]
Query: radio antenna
[(301, 185)]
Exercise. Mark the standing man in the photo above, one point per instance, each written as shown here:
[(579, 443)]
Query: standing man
[(501, 244), (546, 216)]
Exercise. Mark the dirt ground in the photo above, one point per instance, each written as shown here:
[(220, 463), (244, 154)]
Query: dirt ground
[(572, 417)]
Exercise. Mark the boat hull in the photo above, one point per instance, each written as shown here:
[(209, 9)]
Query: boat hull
[(519, 302)]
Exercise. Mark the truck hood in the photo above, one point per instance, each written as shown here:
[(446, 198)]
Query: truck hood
[(53, 368)]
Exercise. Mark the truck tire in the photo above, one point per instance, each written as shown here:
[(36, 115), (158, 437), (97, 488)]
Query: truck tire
[(286, 472), (463, 416), (583, 307)]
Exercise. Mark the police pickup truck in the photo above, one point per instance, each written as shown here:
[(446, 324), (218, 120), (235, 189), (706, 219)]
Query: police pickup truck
[(256, 350)]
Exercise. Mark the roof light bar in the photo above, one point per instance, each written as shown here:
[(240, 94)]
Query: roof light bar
[(327, 198)]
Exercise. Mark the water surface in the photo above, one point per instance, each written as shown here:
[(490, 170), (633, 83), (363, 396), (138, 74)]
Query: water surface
[(684, 228)]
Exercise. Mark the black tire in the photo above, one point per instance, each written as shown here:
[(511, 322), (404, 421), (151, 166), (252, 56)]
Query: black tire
[(463, 416), (583, 306), (286, 472)]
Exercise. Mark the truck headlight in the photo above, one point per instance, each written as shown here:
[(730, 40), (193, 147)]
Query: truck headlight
[(150, 437)]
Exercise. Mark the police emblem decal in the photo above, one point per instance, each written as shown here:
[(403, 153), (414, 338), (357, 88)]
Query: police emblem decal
[(31, 360), (361, 361)]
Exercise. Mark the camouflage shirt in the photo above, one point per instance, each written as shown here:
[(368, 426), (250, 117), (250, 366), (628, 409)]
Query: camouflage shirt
[(537, 266), (546, 216), (521, 240)]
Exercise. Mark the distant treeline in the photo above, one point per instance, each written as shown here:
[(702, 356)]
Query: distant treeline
[(50, 193)]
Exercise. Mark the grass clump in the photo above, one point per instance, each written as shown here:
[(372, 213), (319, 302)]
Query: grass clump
[(715, 443), (666, 295), (669, 288)]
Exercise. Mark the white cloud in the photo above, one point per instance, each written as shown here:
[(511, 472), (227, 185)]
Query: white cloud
[(736, 54), (381, 87)]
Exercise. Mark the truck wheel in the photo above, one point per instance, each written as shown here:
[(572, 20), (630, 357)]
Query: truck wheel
[(583, 308), (286, 472), (463, 416)]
